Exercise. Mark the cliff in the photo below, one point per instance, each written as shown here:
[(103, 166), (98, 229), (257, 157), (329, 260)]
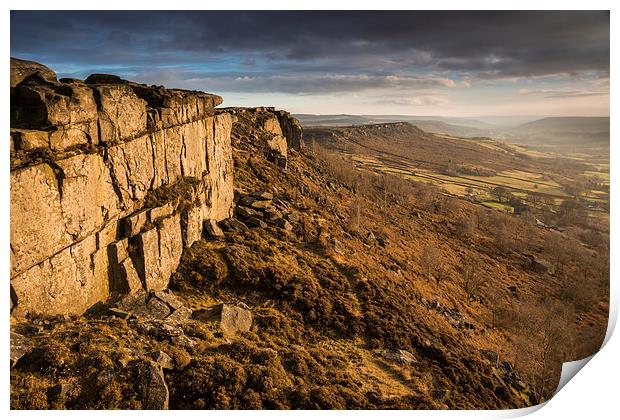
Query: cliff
[(111, 180), (306, 289)]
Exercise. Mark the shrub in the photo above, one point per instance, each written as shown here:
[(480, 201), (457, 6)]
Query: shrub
[(200, 266)]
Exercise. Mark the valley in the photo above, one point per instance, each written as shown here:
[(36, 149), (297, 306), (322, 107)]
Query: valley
[(477, 169)]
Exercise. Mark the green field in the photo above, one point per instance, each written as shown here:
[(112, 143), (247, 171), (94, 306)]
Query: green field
[(519, 182)]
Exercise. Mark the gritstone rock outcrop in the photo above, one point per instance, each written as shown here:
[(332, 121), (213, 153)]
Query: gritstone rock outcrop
[(110, 181)]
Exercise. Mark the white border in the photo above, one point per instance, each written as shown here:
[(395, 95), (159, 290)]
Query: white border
[(592, 395)]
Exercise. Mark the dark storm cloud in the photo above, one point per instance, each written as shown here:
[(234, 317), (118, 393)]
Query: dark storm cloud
[(329, 47)]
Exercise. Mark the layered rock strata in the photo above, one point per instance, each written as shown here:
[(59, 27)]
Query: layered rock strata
[(110, 180)]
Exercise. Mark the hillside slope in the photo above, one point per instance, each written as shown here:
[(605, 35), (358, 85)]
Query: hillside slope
[(354, 284)]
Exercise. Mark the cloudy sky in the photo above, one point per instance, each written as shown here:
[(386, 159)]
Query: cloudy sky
[(405, 62)]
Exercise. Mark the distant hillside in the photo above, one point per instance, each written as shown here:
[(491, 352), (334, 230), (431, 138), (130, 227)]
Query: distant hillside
[(463, 127), (572, 124), (573, 131)]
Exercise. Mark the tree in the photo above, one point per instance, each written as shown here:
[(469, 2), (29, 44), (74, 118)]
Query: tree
[(546, 325), (504, 237), (555, 246), (472, 279), (465, 226), (501, 193), (571, 212), (355, 213), (432, 264), (535, 198), (494, 301)]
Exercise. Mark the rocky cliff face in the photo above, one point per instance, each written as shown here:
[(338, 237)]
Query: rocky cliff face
[(110, 182)]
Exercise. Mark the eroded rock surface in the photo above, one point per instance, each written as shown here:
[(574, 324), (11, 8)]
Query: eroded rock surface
[(110, 181), (235, 318), (22, 69)]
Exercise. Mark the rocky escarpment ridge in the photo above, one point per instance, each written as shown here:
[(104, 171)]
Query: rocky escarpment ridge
[(110, 181)]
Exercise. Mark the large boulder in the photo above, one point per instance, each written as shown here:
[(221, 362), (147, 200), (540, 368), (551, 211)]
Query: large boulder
[(19, 347), (155, 394), (275, 140), (399, 356), (23, 69), (291, 129), (235, 318), (56, 107)]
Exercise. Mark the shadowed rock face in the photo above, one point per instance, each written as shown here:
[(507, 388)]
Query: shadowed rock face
[(111, 180)]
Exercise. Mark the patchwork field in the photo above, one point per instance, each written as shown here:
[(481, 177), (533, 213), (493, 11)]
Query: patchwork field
[(476, 168)]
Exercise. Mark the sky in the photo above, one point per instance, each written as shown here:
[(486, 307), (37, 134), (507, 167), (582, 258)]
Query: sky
[(466, 63)]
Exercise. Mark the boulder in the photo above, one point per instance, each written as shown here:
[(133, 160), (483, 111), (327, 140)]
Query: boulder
[(153, 385), (540, 265), (235, 318), (399, 356), (246, 212), (162, 359), (212, 229), (283, 224), (271, 213), (183, 341), (380, 239), (233, 225), (256, 222), (168, 298), (261, 204), (24, 69), (159, 328), (154, 308), (101, 78), (19, 347), (440, 394), (370, 239), (143, 306), (180, 315)]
